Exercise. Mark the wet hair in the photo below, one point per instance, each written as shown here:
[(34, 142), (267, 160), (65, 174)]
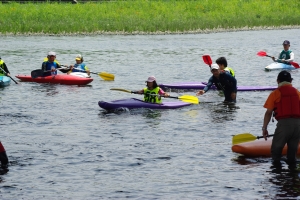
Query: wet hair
[(222, 61)]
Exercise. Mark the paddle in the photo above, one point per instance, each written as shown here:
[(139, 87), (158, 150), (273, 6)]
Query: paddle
[(9, 76), (207, 59), (245, 137), (185, 98), (263, 53), (37, 73), (106, 76)]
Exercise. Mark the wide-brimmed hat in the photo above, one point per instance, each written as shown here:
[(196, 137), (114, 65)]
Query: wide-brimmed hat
[(151, 79)]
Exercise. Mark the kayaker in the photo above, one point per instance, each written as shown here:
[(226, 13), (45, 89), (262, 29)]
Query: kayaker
[(3, 67), (286, 55), (3, 159), (223, 81), (51, 65), (222, 62), (152, 93), (284, 102), (79, 66)]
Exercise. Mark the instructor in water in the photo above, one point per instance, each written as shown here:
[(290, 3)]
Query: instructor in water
[(285, 103), (223, 81)]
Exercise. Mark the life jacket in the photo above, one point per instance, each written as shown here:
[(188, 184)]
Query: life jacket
[(50, 65), (2, 66), (230, 70), (152, 95), (289, 104), (80, 66), (285, 55)]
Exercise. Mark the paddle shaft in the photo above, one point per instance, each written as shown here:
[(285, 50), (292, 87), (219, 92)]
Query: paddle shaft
[(9, 76), (258, 137)]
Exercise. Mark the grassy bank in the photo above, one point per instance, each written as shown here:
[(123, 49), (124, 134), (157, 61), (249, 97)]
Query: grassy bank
[(147, 16)]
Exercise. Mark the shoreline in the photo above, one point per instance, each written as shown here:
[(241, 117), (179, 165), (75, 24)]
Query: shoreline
[(199, 31)]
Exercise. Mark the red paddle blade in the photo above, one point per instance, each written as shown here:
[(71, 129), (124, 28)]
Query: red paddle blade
[(262, 53), (296, 65), (207, 59)]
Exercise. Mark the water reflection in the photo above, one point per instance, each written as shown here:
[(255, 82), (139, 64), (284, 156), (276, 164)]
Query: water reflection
[(222, 112), (287, 185), (46, 88)]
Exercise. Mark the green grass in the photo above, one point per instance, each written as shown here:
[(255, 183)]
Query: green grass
[(146, 16)]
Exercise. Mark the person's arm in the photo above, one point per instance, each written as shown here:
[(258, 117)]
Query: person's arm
[(6, 69), (292, 56), (267, 118), (207, 87), (44, 66), (163, 93), (139, 92)]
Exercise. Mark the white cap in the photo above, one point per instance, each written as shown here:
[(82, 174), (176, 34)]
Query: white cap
[(78, 57), (51, 53), (214, 66)]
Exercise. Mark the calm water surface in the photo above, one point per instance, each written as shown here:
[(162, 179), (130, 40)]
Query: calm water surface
[(62, 145)]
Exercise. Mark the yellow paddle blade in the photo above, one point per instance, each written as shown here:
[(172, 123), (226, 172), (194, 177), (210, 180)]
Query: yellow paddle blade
[(189, 99), (241, 138), (120, 89), (106, 76)]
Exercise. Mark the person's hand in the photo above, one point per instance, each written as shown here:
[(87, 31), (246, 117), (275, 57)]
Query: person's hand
[(233, 95), (53, 69), (265, 133), (8, 74), (166, 95), (283, 60), (200, 92), (273, 58)]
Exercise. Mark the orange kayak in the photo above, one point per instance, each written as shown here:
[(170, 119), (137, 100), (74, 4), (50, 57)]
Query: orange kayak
[(258, 148)]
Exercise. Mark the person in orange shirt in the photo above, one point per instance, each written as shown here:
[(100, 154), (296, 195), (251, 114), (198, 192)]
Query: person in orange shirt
[(284, 102)]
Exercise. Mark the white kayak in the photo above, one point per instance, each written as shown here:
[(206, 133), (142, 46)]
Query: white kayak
[(279, 66), (80, 74)]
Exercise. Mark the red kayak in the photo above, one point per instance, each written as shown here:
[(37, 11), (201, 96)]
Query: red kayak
[(63, 79)]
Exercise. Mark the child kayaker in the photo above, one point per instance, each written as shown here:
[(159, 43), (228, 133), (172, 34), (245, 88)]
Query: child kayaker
[(4, 68), (223, 81), (222, 62), (286, 55), (152, 92), (79, 66)]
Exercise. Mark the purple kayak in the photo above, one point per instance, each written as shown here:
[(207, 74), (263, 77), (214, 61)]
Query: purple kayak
[(136, 103), (201, 85)]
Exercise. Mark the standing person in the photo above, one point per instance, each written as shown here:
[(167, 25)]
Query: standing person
[(79, 66), (50, 65), (286, 55), (222, 62), (4, 68), (285, 103), (223, 81), (152, 92)]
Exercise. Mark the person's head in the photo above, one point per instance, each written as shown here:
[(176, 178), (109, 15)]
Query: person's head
[(286, 45), (215, 70), (284, 76), (151, 82), (222, 62), (79, 59), (51, 56)]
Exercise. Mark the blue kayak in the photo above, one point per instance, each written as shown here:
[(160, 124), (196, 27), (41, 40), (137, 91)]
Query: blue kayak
[(4, 81), (279, 66), (136, 103)]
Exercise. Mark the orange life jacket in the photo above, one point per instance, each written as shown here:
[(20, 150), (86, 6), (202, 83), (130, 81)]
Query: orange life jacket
[(289, 104)]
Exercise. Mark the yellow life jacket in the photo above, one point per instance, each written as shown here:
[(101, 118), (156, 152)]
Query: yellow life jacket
[(152, 95)]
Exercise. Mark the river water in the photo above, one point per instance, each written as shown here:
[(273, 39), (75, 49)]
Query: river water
[(62, 145)]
